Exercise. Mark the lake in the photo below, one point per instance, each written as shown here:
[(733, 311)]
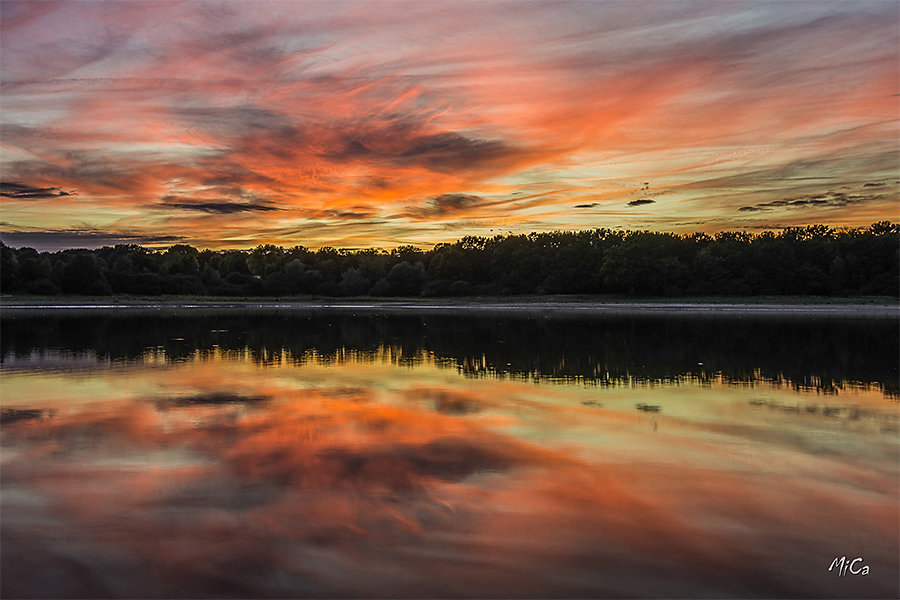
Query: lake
[(340, 453)]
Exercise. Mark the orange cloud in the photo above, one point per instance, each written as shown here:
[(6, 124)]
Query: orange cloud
[(347, 123)]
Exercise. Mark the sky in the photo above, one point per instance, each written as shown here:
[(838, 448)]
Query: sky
[(384, 123)]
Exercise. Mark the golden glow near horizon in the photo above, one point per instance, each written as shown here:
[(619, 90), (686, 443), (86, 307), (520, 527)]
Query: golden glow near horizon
[(385, 123)]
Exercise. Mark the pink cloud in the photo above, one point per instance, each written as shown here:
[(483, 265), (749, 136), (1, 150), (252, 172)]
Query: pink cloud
[(326, 108)]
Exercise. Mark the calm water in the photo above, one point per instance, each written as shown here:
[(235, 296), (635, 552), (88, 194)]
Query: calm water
[(333, 455)]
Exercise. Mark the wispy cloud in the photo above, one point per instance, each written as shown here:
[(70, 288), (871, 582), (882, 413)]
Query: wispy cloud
[(348, 113)]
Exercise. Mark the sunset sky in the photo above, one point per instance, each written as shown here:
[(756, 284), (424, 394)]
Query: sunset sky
[(230, 124)]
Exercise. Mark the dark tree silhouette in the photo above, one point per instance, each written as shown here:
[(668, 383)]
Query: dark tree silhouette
[(82, 274), (814, 260)]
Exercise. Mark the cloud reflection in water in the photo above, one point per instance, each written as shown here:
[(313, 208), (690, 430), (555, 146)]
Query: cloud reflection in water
[(220, 477)]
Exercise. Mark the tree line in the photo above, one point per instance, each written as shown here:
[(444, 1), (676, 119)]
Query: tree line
[(813, 260)]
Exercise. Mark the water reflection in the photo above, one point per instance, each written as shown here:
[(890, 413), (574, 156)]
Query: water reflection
[(246, 469), (823, 354)]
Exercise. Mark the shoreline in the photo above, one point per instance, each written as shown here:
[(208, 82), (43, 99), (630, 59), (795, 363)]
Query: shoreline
[(844, 308)]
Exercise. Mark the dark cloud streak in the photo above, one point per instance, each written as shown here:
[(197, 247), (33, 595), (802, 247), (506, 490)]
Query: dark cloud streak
[(828, 199), (450, 203), (400, 145), (222, 207), (448, 151), (24, 191), (446, 205)]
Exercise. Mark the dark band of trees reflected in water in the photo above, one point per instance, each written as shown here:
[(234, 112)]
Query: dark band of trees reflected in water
[(822, 354)]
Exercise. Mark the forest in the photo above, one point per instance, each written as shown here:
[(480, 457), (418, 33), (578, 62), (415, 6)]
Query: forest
[(812, 260)]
